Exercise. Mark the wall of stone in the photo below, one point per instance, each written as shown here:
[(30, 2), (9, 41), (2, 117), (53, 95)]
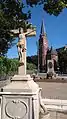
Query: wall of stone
[(57, 115), (4, 82)]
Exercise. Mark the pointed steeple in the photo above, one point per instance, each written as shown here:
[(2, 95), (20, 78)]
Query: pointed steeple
[(51, 48), (43, 31)]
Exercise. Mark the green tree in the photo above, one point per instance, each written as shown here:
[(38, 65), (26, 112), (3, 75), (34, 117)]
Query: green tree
[(31, 66), (54, 7), (8, 66), (14, 63), (33, 60), (2, 66), (62, 58), (11, 17)]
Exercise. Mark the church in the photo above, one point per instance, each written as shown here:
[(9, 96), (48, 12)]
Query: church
[(45, 53)]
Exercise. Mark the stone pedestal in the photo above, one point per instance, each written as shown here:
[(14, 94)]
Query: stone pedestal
[(50, 66), (45, 116), (50, 69), (22, 69), (20, 99)]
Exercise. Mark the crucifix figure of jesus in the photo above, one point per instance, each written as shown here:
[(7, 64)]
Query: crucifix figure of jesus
[(21, 46)]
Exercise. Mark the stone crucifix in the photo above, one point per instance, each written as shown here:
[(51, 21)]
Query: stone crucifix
[(21, 46)]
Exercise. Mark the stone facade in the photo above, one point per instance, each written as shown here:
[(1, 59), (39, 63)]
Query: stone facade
[(44, 53), (43, 47)]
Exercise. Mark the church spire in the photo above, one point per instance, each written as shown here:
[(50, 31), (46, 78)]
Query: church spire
[(43, 47), (43, 31)]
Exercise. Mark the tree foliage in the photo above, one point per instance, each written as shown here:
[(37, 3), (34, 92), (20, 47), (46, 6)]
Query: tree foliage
[(31, 66), (54, 7), (11, 17), (8, 66), (33, 60), (62, 58)]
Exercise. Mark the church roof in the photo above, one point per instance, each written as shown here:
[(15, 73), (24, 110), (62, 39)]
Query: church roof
[(43, 31), (53, 51)]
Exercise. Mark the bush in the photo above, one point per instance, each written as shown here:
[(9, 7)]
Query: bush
[(31, 66), (8, 66)]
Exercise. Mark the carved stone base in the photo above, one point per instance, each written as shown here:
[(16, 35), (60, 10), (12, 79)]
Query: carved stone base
[(20, 99), (44, 116)]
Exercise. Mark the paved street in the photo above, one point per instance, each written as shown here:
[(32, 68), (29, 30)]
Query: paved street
[(53, 90)]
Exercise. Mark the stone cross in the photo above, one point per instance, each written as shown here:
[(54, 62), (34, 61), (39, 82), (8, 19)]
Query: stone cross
[(21, 46)]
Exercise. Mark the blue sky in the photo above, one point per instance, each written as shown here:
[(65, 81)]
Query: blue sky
[(56, 29)]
